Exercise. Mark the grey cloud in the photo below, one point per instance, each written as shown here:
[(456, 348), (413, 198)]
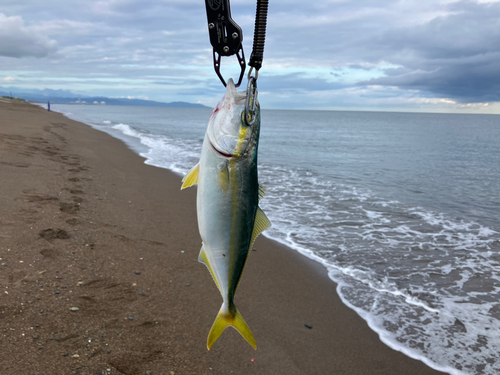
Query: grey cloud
[(297, 82), (442, 49), (17, 40), (455, 56)]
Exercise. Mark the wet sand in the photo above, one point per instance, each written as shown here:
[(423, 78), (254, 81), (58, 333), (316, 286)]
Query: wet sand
[(85, 225)]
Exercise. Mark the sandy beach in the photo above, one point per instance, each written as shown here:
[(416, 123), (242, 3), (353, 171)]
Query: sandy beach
[(99, 272)]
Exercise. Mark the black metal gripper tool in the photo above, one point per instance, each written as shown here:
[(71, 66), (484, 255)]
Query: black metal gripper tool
[(226, 36)]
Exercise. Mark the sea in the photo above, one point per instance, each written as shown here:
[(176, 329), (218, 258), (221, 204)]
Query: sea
[(402, 209)]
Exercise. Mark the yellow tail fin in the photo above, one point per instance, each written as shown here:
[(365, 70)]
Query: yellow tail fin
[(229, 318)]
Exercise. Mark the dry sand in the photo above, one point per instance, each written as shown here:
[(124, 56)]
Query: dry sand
[(81, 215)]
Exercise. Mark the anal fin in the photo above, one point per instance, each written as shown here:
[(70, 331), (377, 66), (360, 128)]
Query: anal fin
[(202, 258)]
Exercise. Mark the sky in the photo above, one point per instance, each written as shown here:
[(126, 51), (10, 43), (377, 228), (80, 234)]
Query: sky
[(408, 55)]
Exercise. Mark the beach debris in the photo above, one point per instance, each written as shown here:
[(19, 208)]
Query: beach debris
[(308, 326), (74, 309), (460, 325), (228, 194)]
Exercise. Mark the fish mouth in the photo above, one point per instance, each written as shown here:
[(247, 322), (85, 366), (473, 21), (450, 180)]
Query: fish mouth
[(223, 154)]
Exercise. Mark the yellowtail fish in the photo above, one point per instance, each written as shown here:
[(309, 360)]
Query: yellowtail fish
[(229, 218)]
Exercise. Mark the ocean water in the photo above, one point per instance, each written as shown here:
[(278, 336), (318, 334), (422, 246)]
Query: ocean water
[(401, 208)]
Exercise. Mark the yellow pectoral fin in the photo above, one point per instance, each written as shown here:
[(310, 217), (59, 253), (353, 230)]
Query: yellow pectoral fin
[(224, 179), (191, 178), (228, 319), (261, 224)]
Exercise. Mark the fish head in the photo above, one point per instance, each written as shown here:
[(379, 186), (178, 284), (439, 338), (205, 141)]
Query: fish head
[(227, 131)]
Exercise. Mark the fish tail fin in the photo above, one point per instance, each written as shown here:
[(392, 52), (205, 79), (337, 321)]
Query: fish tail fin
[(229, 318)]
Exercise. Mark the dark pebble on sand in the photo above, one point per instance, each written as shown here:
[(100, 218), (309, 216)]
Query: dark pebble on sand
[(130, 318), (137, 272), (4, 264), (65, 354), (35, 337), (188, 284), (141, 293), (58, 292), (308, 326)]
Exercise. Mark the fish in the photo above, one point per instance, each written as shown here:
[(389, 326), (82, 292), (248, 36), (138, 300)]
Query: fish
[(227, 203)]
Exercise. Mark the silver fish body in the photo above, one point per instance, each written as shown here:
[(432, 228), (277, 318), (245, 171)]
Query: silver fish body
[(229, 218)]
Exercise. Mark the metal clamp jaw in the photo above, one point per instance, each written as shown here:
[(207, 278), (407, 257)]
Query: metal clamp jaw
[(225, 36)]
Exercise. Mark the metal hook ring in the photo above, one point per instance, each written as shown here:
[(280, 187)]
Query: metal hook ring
[(250, 73), (250, 103)]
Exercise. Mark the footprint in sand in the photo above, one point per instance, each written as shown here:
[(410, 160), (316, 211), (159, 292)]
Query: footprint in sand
[(52, 234), (50, 253), (69, 208), (73, 221), (19, 165)]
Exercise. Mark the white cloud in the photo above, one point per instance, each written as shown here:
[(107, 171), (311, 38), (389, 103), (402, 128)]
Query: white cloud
[(18, 40), (8, 79)]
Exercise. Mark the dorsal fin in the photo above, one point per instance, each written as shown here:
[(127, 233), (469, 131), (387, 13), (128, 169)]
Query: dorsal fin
[(261, 224), (262, 192), (191, 178)]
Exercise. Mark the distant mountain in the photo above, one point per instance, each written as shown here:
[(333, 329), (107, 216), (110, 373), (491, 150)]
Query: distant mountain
[(67, 97)]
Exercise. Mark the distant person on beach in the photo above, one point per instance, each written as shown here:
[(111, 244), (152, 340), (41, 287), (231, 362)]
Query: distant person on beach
[(48, 106)]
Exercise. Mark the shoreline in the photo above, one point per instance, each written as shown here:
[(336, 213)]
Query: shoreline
[(115, 210)]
